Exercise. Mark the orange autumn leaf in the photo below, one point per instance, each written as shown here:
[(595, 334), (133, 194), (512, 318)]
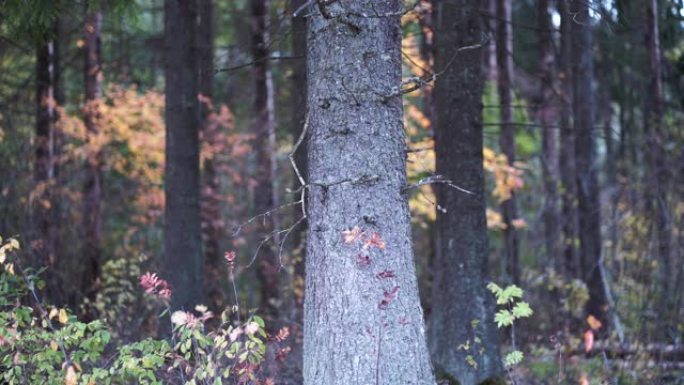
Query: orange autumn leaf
[(593, 322), (588, 340), (375, 240), (584, 380), (351, 235), (71, 378)]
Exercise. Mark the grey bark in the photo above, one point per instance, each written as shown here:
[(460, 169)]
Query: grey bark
[(363, 323), (263, 127), (504, 61), (92, 188), (567, 149), (183, 262), (463, 310), (585, 159), (548, 119)]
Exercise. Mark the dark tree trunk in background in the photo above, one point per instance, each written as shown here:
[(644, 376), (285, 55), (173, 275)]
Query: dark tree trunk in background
[(182, 264), (589, 208), (427, 53), (92, 189), (46, 148), (504, 61), (212, 224), (490, 24), (568, 173), (299, 95), (295, 296), (657, 164), (263, 127), (363, 323), (548, 114), (463, 309)]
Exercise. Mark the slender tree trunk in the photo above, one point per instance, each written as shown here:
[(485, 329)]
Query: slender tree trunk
[(295, 301), (363, 323), (463, 309), (589, 208), (212, 229), (48, 144), (548, 119), (92, 189), (265, 197), (504, 60), (427, 54), (299, 83), (657, 163), (568, 173), (46, 150), (183, 262), (490, 24)]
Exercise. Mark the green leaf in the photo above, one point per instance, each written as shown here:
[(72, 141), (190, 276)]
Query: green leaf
[(495, 289), (509, 294), (259, 321), (513, 358), (522, 310), (513, 291), (503, 318)]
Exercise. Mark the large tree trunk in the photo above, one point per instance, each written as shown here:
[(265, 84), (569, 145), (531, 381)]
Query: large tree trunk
[(263, 127), (463, 309), (183, 261), (658, 169), (589, 208), (568, 173), (548, 119), (92, 189), (363, 323), (504, 61)]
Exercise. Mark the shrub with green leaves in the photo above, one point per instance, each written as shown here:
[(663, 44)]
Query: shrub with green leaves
[(43, 344)]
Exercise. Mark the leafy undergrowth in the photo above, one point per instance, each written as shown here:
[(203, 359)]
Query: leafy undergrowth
[(44, 344)]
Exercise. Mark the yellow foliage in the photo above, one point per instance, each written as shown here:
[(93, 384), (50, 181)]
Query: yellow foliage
[(129, 141), (495, 220), (507, 177)]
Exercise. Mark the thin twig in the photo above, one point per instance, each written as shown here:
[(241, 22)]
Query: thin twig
[(437, 179)]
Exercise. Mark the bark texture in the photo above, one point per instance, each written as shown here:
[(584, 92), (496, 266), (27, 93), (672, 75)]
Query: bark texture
[(658, 170), (46, 149), (263, 126), (568, 173), (463, 309), (183, 262), (548, 120), (212, 223), (589, 208), (363, 323), (504, 61), (92, 188)]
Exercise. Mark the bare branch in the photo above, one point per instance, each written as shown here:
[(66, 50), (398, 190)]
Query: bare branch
[(437, 179)]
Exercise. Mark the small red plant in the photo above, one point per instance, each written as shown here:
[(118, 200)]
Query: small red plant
[(154, 285)]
